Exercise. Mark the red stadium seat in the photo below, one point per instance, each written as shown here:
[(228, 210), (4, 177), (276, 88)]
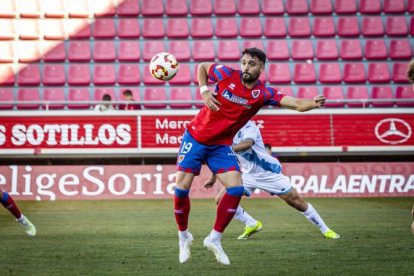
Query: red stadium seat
[(375, 49), (201, 7), (396, 26), (274, 27), (6, 74), (358, 96), (404, 93), (135, 96), (253, 43), (104, 51), (78, 29), (400, 49), (56, 52), (128, 28), (370, 6), (348, 27), (203, 50), (157, 94), (323, 26), (224, 7), (79, 51), (152, 8), (329, 73), (128, 74), (345, 6), (54, 95), (28, 29), (350, 50), (129, 8), (372, 26), (182, 97), (104, 74), (277, 50), (326, 50), (248, 7), (228, 50), (129, 51), (100, 92), (226, 27), (54, 8), (304, 73), (319, 7), (394, 6), (412, 26), (29, 74), (176, 8), (26, 98), (104, 28), (198, 97), (8, 9), (279, 73), (334, 93), (201, 28), (177, 28), (6, 95), (295, 7), (399, 72), (6, 52), (78, 74), (54, 74), (382, 93), (153, 28), (78, 8), (299, 27), (272, 7), (307, 92), (103, 8), (250, 27), (151, 48), (378, 73), (180, 49), (410, 6), (53, 29), (302, 49), (195, 79), (28, 51), (29, 9), (7, 29), (354, 73), (79, 98), (183, 75), (286, 90)]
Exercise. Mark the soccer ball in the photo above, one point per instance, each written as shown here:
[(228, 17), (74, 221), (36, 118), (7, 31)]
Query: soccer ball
[(163, 66)]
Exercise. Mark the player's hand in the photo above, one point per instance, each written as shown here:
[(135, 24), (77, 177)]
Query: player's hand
[(320, 101), (209, 99), (210, 183)]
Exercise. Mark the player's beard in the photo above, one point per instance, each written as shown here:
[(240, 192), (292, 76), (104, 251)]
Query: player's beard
[(249, 78)]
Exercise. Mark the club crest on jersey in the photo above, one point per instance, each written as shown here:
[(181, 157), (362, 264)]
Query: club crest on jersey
[(181, 158), (235, 99), (255, 93)]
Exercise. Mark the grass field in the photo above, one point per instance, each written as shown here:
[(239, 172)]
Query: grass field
[(140, 238)]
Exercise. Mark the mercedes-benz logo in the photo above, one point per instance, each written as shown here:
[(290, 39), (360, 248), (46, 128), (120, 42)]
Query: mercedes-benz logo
[(393, 131)]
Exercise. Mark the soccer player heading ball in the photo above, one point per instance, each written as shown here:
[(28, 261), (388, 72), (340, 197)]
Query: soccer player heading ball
[(238, 96)]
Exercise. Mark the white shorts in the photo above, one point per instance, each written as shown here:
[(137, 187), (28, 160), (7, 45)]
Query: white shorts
[(272, 183)]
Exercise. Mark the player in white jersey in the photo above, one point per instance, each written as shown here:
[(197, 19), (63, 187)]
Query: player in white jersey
[(262, 171)]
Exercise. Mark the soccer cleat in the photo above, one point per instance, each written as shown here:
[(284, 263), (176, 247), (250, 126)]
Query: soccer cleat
[(331, 235), (185, 244), (28, 226), (215, 247), (248, 231)]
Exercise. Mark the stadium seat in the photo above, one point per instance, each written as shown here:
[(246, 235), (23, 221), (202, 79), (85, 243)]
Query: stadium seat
[(357, 96), (201, 28), (129, 51), (253, 43), (135, 96), (396, 26), (6, 74), (103, 8), (286, 90), (27, 98), (226, 27), (277, 50), (198, 97), (54, 95), (299, 27), (228, 50), (182, 97), (104, 28), (104, 74), (152, 8), (345, 6), (176, 8), (53, 74), (370, 6), (272, 7), (348, 26), (250, 27), (203, 50), (183, 75), (78, 74), (79, 51), (29, 74), (412, 26), (321, 7), (101, 91), (354, 73), (195, 79), (8, 9), (7, 29), (279, 73), (53, 29), (248, 7), (378, 73), (157, 94), (104, 51), (329, 73), (151, 48), (54, 8), (296, 7), (148, 79), (128, 74), (28, 51), (375, 49), (302, 49), (6, 52), (6, 95), (304, 73), (382, 93), (79, 98), (410, 6), (180, 49), (78, 8), (78, 29), (28, 29), (128, 28), (177, 28), (201, 8), (129, 8), (326, 49), (224, 7), (372, 26), (29, 9), (334, 93), (274, 27), (399, 72), (400, 49), (308, 92), (323, 26), (153, 28), (394, 6), (57, 53), (404, 93), (350, 49)]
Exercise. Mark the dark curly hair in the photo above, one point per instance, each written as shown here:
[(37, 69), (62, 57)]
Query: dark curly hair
[(410, 72), (255, 52)]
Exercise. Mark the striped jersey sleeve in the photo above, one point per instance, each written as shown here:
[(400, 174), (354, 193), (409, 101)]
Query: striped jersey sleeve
[(273, 96), (219, 72)]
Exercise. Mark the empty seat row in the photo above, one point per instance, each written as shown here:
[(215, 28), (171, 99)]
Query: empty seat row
[(90, 8)]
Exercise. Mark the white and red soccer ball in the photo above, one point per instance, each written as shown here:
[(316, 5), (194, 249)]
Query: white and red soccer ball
[(163, 66)]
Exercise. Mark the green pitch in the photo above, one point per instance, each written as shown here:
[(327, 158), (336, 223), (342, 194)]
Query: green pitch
[(140, 238)]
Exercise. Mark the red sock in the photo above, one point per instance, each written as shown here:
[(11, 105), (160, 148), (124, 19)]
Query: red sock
[(8, 202), (182, 211), (225, 211)]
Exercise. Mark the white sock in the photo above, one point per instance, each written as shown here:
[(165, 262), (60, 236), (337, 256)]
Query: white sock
[(244, 217), (183, 234), (21, 219), (214, 235), (312, 215)]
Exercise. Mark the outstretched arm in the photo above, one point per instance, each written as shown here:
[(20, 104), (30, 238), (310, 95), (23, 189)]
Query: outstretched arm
[(302, 105)]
